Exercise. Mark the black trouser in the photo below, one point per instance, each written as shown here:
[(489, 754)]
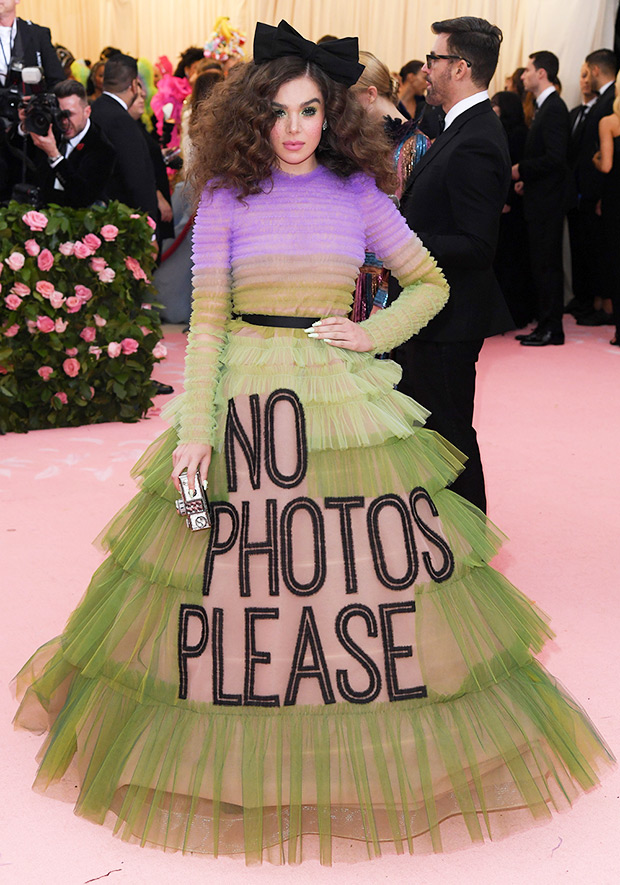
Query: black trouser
[(441, 376), (584, 227), (545, 241), (610, 241)]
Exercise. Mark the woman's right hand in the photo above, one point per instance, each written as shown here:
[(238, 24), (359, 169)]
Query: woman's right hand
[(190, 457)]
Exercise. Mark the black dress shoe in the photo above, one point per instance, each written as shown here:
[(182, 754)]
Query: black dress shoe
[(160, 389), (528, 336), (596, 318), (544, 338)]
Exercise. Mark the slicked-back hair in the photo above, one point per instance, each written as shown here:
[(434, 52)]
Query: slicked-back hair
[(605, 59), (549, 63), (120, 72), (411, 67), (476, 40), (70, 87)]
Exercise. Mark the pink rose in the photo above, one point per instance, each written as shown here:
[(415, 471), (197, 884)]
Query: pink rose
[(99, 321), (20, 289), (71, 367), (81, 250), (45, 288), (45, 324), (32, 247), (12, 301), (32, 326), (114, 349), (107, 275), (145, 331), (71, 351), (134, 215), (146, 307), (88, 333), (15, 261), (95, 351), (109, 232), (60, 326), (134, 266), (3, 371), (98, 264), (92, 391), (45, 372), (45, 261), (57, 299), (66, 248), (150, 222), (12, 331), (83, 293), (35, 220), (129, 345), (73, 304), (160, 351), (62, 397), (92, 241)]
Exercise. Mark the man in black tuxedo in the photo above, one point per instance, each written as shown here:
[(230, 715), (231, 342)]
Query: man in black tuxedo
[(584, 222), (542, 178), (77, 172), (133, 179), (454, 200), (26, 43)]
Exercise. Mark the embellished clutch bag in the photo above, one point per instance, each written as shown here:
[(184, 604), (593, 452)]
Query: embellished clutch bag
[(193, 505)]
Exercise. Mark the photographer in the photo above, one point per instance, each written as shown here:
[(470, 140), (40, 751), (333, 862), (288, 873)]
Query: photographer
[(25, 44), (76, 171)]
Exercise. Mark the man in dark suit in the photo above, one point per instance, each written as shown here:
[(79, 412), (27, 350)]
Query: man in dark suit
[(453, 200), (543, 173), (28, 44), (588, 184), (76, 172), (133, 179)]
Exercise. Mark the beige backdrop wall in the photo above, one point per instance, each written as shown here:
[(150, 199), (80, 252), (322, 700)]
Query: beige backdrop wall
[(395, 30)]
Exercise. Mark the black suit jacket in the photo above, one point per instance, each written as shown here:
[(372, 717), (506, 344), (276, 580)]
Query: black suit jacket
[(85, 174), (33, 46), (544, 167), (133, 179), (453, 201), (588, 181)]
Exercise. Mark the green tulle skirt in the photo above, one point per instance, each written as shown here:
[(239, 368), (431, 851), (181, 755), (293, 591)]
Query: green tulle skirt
[(334, 665)]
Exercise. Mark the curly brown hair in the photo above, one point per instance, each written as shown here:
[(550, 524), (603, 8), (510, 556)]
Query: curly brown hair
[(230, 132)]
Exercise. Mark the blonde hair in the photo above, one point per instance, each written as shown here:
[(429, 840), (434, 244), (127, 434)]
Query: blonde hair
[(376, 74), (616, 104)]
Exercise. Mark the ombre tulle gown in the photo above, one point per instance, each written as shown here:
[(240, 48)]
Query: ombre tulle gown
[(334, 663)]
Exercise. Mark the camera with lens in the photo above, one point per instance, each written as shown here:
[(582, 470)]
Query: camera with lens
[(43, 111)]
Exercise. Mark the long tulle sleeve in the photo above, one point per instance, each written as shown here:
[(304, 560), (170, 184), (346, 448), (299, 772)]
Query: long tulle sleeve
[(425, 290), (210, 312)]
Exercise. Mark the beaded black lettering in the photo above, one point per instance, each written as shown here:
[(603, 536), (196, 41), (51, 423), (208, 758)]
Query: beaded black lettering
[(253, 657), (283, 480), (393, 652), (268, 547), (185, 650), (374, 677), (376, 544), (308, 639), (287, 546), (344, 506), (446, 568), (216, 546), (217, 648), (251, 450)]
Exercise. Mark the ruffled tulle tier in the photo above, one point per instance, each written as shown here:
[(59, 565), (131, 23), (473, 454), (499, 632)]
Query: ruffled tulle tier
[(486, 738)]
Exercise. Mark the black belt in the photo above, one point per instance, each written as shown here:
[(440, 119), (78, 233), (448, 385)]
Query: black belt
[(259, 319)]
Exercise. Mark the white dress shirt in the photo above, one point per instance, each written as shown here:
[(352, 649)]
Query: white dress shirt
[(464, 105)]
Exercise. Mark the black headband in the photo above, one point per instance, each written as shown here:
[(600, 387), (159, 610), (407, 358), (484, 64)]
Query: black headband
[(336, 58)]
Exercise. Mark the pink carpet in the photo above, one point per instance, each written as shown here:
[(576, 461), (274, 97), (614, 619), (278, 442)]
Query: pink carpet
[(549, 427)]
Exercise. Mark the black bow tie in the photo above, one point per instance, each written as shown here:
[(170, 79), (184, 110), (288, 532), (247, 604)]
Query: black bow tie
[(337, 58)]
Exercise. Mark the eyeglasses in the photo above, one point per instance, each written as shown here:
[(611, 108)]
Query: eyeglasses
[(431, 57)]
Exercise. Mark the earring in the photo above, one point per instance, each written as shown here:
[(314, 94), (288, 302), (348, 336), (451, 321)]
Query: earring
[(324, 127)]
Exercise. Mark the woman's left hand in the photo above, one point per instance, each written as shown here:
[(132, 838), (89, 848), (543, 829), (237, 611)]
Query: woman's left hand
[(341, 332)]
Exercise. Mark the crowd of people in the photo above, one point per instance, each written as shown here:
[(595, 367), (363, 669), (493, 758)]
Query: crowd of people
[(334, 660)]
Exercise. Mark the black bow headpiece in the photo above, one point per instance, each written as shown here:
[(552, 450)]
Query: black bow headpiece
[(337, 58)]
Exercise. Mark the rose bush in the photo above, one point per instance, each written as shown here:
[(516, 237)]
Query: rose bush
[(77, 346)]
